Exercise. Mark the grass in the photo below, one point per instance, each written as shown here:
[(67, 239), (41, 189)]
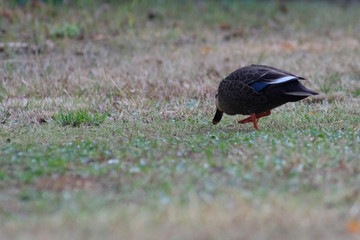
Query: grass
[(79, 117), (106, 122)]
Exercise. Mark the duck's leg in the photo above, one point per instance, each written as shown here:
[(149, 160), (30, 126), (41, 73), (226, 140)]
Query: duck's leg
[(259, 115), (254, 120), (245, 120), (264, 114), (254, 116)]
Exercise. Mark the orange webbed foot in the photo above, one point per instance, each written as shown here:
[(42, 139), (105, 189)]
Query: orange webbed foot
[(254, 118)]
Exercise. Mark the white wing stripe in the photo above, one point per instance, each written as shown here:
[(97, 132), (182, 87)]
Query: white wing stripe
[(282, 79)]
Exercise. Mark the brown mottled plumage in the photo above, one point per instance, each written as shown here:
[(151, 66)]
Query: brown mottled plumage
[(255, 90)]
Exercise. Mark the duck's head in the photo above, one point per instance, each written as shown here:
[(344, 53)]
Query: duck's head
[(219, 113)]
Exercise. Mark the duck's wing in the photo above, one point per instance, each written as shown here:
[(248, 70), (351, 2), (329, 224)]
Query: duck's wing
[(269, 68), (270, 76)]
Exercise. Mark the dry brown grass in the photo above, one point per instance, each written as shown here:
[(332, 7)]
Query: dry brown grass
[(169, 73)]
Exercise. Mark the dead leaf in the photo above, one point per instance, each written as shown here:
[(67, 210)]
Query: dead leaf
[(224, 26), (205, 49), (283, 8), (353, 226), (6, 13), (288, 47), (37, 4)]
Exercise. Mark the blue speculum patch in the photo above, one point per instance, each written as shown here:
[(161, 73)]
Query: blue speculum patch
[(258, 86)]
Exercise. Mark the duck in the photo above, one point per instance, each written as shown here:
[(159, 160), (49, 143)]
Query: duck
[(255, 90)]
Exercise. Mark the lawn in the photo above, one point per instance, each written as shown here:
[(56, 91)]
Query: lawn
[(106, 110)]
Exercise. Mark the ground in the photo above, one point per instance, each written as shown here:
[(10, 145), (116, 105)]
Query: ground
[(106, 110)]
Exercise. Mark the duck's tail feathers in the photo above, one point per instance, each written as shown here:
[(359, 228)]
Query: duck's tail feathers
[(297, 89), (304, 94)]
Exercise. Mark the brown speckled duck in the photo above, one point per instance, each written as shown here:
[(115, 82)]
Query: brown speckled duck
[(256, 89)]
